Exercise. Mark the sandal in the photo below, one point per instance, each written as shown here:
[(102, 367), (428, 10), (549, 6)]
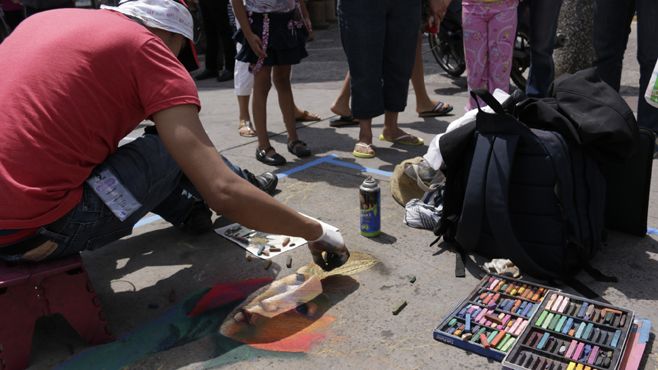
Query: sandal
[(246, 129), (343, 121), (308, 117), (366, 151), (404, 139), (440, 109), (273, 160), (299, 148)]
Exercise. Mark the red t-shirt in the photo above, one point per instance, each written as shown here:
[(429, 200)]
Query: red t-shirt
[(73, 82)]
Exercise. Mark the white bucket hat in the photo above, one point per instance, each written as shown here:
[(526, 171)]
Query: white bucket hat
[(168, 15)]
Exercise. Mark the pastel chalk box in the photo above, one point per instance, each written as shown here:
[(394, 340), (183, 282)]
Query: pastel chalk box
[(570, 332), (492, 318)]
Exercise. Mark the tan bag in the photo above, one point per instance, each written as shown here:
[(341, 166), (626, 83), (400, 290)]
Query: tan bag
[(404, 188)]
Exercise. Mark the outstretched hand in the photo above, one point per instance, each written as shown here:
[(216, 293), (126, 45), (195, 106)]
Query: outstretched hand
[(329, 251)]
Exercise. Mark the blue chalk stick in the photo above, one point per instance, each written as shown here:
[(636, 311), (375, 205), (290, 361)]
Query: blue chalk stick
[(615, 339), (462, 312), (581, 329), (467, 326), (588, 331), (542, 341), (583, 309), (521, 308), (567, 326), (527, 309)]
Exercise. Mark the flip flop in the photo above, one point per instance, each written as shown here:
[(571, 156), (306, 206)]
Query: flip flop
[(440, 109), (405, 139), (343, 121), (362, 154), (308, 117), (246, 129)]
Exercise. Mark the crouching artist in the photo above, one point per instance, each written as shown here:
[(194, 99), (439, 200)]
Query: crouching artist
[(65, 183)]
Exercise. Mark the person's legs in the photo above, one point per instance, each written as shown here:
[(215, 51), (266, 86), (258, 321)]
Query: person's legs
[(243, 83), (210, 28), (612, 24), (501, 33), (363, 29), (146, 170), (262, 85), (474, 24), (402, 24), (425, 106), (543, 27), (226, 38), (647, 53), (362, 32), (341, 105), (281, 80)]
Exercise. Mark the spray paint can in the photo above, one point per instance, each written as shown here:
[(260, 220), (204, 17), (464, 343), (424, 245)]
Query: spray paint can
[(369, 197)]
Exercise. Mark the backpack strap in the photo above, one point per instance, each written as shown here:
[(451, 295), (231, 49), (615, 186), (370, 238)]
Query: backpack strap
[(497, 206), (470, 223)]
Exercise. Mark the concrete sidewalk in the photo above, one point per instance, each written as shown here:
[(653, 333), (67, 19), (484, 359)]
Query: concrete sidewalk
[(140, 277)]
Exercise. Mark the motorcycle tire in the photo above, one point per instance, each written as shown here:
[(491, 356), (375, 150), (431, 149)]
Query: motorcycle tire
[(450, 57)]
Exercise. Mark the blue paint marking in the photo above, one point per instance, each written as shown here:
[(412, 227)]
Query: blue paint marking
[(331, 159), (355, 166), (652, 231), (305, 166)]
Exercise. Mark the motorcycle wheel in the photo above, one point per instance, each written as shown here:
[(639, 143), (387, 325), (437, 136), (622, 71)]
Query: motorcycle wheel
[(450, 58), (520, 60)]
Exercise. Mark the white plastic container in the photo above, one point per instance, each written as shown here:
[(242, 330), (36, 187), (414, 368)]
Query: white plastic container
[(652, 90)]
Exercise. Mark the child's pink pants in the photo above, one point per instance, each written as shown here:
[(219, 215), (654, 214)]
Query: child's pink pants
[(489, 35)]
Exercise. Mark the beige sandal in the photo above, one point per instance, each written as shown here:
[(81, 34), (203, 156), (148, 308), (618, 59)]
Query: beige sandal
[(363, 150), (246, 129)]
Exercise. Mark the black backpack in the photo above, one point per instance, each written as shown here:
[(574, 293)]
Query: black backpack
[(522, 193)]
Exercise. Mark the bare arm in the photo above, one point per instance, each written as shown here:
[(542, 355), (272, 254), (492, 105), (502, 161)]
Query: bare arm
[(437, 11), (224, 191)]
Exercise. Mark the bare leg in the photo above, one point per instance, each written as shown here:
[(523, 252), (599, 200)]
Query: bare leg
[(393, 131), (281, 79), (423, 101), (363, 146), (341, 105), (243, 104), (262, 86)]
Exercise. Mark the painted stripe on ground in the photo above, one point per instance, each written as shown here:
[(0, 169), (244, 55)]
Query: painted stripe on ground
[(331, 159), (305, 166), (338, 162)]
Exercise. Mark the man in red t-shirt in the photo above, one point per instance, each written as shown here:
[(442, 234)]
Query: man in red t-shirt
[(75, 82)]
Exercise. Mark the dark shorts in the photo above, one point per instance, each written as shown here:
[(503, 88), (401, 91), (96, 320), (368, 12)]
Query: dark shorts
[(286, 42)]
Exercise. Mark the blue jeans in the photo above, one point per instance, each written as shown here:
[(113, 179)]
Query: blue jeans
[(150, 174), (379, 39), (612, 24), (542, 28)]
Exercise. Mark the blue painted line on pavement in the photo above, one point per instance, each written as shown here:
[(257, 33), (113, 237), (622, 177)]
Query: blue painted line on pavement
[(338, 162), (331, 159), (305, 166)]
